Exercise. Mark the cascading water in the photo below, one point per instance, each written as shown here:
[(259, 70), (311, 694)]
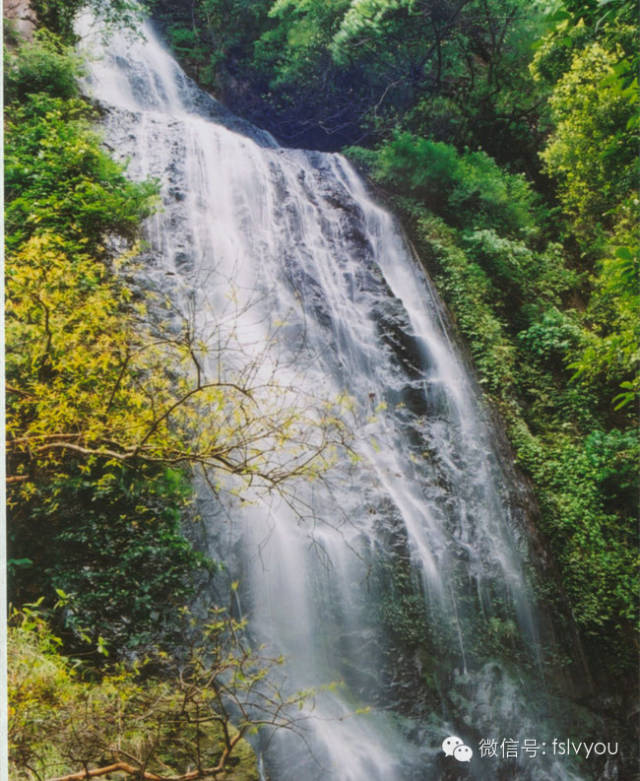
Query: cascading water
[(406, 581)]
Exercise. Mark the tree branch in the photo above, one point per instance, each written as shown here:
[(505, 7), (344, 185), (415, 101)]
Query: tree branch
[(147, 775)]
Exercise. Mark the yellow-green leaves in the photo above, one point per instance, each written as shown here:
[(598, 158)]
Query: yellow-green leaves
[(591, 151), (90, 374)]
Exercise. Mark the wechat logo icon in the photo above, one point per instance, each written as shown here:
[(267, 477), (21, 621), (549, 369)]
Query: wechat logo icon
[(454, 747)]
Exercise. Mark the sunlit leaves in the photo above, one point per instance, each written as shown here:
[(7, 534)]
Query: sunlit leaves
[(591, 152), (88, 375)]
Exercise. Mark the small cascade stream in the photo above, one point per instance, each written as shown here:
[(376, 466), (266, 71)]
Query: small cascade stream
[(403, 581)]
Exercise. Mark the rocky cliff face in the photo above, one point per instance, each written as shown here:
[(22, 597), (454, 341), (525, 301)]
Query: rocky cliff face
[(22, 16)]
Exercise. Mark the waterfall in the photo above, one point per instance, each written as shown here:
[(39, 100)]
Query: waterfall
[(401, 592)]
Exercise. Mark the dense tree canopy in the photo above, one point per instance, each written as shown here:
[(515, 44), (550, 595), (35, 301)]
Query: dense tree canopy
[(327, 74)]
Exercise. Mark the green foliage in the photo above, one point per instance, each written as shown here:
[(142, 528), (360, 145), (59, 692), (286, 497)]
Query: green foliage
[(58, 179), (592, 154), (327, 74), (470, 190), (304, 30), (610, 357), (551, 336), (107, 538), (41, 66), (211, 35), (592, 151), (554, 52), (589, 492)]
